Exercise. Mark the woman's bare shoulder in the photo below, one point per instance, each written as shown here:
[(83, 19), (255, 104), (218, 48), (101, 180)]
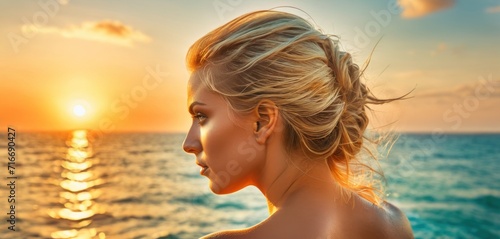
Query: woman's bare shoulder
[(386, 221), (361, 221), (282, 224), (398, 222)]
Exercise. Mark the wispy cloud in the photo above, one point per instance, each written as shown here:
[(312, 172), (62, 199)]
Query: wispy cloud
[(483, 88), (443, 48), (419, 8), (495, 9), (410, 74), (107, 31), (63, 2)]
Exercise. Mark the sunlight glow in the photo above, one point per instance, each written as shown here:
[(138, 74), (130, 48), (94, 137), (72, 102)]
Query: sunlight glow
[(79, 110)]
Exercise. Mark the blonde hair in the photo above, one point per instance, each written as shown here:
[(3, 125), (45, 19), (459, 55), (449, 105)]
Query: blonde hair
[(283, 58)]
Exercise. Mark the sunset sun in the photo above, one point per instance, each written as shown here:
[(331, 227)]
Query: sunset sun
[(79, 110)]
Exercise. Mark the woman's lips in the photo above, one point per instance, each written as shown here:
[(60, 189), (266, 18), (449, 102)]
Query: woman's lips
[(203, 169)]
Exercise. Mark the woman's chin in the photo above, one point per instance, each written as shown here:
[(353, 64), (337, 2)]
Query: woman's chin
[(219, 190)]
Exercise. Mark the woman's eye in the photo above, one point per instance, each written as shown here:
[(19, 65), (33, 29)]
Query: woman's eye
[(200, 117)]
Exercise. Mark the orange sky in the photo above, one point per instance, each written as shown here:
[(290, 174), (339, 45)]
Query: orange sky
[(124, 62)]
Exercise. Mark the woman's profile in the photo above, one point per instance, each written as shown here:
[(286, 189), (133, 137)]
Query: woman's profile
[(277, 105)]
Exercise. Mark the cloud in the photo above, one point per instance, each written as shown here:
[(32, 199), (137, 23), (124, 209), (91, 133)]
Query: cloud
[(443, 48), (483, 88), (466, 107), (410, 74), (419, 8), (107, 31), (495, 9), (63, 2)]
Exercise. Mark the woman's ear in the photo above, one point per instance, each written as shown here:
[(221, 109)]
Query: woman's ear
[(267, 113)]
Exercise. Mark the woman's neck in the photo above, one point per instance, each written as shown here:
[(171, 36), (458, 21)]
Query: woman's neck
[(293, 179)]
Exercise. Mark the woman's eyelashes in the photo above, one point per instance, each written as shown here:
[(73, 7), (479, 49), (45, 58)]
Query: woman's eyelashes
[(199, 117)]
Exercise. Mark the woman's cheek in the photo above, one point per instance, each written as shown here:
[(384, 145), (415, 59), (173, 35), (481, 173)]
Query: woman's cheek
[(211, 142)]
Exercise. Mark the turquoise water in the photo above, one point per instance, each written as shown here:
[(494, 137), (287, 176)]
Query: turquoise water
[(449, 186), (144, 186)]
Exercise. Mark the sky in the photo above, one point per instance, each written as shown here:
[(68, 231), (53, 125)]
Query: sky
[(120, 65)]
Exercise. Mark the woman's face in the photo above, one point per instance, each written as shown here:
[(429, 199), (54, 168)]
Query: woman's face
[(224, 144)]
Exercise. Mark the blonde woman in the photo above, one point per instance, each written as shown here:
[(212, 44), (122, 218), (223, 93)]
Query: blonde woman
[(276, 105)]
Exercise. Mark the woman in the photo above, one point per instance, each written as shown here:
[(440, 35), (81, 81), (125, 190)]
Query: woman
[(276, 105)]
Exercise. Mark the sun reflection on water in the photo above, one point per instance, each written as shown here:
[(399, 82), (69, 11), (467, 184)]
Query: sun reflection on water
[(78, 190)]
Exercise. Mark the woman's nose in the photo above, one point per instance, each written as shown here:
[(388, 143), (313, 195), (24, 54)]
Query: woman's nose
[(191, 142)]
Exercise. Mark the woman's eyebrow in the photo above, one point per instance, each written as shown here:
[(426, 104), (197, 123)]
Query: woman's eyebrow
[(193, 104)]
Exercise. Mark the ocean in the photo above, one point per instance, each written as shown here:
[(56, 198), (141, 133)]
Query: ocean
[(143, 185)]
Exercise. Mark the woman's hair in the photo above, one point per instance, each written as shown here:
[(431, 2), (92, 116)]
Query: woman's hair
[(317, 88)]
